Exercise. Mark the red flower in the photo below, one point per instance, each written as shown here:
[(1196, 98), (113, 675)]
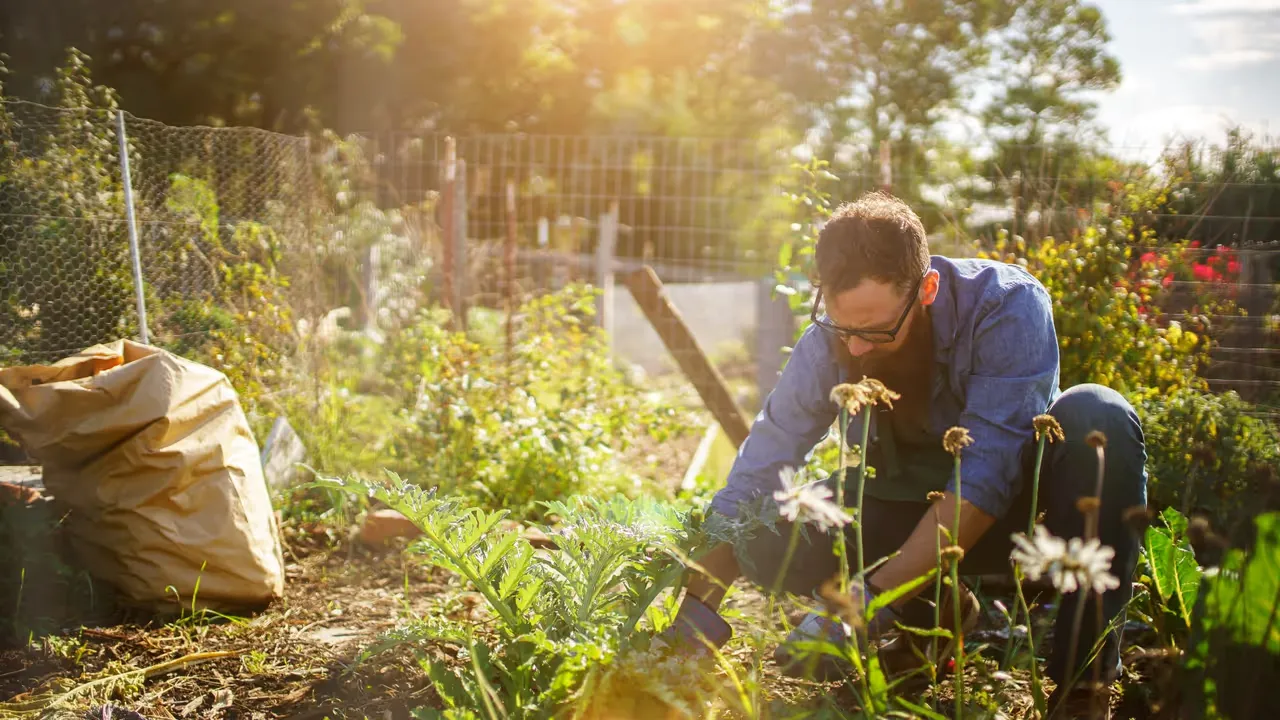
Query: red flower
[(1213, 260), (1195, 243), (1233, 267), (1202, 272), (1148, 257), (1168, 280)]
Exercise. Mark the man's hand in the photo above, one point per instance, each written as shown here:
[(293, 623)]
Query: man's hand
[(918, 555), (696, 629), (697, 622)]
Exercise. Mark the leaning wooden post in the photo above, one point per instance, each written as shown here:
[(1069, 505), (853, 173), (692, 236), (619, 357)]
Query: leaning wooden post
[(670, 326)]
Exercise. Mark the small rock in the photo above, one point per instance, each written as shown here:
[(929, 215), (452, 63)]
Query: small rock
[(383, 524)]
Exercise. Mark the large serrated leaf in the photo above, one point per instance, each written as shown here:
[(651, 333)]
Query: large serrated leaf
[(1175, 574)]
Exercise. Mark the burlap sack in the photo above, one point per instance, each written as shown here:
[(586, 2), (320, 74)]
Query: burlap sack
[(153, 456)]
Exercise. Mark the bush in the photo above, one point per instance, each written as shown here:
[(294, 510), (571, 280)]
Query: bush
[(1103, 313), (1206, 454), (550, 419)]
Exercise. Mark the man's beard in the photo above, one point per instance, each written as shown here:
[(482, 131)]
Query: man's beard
[(909, 361)]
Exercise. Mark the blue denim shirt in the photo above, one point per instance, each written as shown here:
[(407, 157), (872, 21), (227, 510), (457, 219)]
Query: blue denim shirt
[(996, 368)]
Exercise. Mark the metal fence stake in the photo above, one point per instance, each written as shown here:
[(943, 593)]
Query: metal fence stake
[(134, 255)]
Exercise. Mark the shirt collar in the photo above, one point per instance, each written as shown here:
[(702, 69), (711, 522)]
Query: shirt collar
[(943, 311)]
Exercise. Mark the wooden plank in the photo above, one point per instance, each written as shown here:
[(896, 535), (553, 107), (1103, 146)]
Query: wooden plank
[(670, 326)]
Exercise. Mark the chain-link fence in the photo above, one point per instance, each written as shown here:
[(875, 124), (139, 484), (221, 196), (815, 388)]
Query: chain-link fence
[(205, 201), (65, 278)]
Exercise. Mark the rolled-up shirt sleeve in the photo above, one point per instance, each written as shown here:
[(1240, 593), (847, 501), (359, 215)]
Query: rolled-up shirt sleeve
[(793, 419), (1013, 377)]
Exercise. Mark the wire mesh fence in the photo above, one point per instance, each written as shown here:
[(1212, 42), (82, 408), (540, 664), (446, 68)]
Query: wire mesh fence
[(64, 258), (373, 228)]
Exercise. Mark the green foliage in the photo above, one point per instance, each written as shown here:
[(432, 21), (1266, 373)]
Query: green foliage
[(1206, 453), (1235, 654), (1101, 314), (59, 181), (562, 617), (551, 419), (243, 325), (1241, 598), (1172, 576)]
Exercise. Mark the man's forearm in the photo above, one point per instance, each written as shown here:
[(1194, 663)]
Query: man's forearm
[(918, 554), (722, 570)]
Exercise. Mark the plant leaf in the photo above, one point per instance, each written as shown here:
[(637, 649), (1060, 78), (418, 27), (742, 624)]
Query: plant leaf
[(920, 709), (889, 596)]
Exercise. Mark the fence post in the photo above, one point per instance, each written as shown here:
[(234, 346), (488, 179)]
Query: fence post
[(775, 329), (450, 171), (134, 255), (605, 252), (509, 266), (459, 241)]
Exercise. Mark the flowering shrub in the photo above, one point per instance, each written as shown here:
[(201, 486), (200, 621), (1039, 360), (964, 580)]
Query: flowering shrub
[(1102, 312)]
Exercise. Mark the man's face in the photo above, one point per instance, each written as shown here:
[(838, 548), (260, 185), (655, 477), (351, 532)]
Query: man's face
[(877, 306)]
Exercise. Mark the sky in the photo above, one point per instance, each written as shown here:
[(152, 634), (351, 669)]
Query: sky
[(1189, 68)]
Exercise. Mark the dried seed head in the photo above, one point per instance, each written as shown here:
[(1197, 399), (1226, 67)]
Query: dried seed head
[(934, 496), (856, 396), (878, 393), (955, 440), (1040, 517), (1201, 532), (1047, 426), (1088, 505), (846, 606), (952, 554), (1096, 439), (850, 397), (1138, 518)]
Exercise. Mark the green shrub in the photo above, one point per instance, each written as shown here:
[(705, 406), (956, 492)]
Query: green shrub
[(551, 419), (1103, 314), (1206, 454)]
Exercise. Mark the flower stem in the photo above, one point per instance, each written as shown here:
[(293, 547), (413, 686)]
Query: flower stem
[(842, 550), (958, 690), (1035, 486), (1037, 687), (786, 559), (862, 477)]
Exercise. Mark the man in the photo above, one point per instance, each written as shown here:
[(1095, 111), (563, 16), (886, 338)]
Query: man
[(967, 343)]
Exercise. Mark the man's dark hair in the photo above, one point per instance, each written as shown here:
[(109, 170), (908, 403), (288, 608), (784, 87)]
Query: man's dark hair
[(878, 237)]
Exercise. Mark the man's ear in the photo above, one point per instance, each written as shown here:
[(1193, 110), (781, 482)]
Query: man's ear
[(929, 288)]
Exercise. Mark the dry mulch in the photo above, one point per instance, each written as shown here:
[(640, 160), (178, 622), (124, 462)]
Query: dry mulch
[(294, 660)]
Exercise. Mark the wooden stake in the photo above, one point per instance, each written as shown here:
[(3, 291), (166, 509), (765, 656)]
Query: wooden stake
[(670, 326)]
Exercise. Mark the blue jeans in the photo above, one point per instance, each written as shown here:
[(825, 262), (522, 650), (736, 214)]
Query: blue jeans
[(1068, 472)]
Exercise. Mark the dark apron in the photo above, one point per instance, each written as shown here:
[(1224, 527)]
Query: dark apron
[(906, 469)]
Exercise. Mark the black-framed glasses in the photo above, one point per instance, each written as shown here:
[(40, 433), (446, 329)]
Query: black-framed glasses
[(871, 336)]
